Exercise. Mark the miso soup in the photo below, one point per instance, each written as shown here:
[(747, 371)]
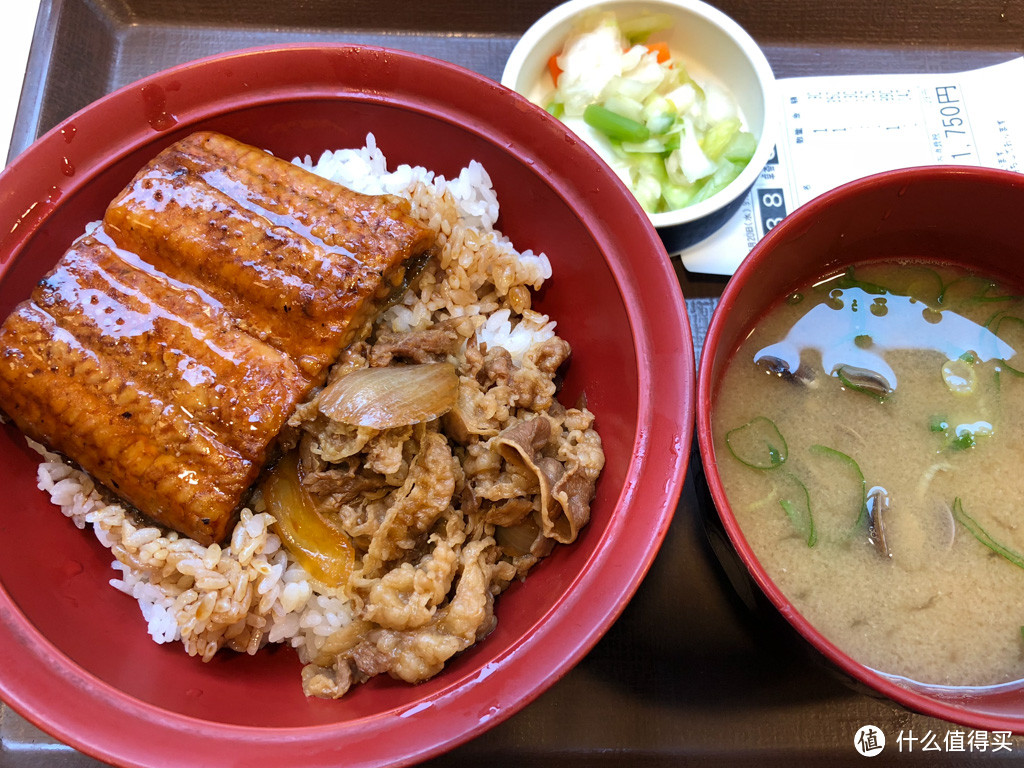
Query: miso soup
[(869, 434)]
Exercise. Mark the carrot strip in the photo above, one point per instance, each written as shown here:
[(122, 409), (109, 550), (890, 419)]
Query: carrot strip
[(661, 49), (553, 68)]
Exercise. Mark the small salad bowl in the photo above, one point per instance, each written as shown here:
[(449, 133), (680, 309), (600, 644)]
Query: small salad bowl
[(717, 54)]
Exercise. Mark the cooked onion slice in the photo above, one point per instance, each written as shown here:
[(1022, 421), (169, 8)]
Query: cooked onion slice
[(519, 539), (321, 548), (392, 396)]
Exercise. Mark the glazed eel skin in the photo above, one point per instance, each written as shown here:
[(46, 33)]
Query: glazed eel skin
[(168, 347)]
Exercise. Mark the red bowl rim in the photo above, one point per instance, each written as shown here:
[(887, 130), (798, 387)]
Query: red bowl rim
[(951, 704), (55, 694)]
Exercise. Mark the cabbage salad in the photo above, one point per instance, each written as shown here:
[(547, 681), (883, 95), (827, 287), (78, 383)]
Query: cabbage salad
[(672, 141)]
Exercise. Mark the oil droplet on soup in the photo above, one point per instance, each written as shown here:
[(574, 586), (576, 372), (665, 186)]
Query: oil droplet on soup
[(869, 433)]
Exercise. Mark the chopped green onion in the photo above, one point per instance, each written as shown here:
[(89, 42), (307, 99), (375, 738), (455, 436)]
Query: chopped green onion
[(862, 512), (758, 444), (983, 536), (852, 279), (614, 125), (963, 441), (1010, 329), (798, 510), (971, 289), (921, 283), (962, 437)]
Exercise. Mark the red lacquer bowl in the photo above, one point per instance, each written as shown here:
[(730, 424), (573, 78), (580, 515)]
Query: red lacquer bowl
[(961, 215), (75, 658)]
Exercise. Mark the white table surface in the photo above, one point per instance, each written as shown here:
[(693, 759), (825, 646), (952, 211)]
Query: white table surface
[(17, 22)]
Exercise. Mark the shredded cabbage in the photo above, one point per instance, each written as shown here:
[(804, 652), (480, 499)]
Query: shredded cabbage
[(672, 141)]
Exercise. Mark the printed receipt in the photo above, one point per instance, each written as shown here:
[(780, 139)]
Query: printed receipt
[(837, 129)]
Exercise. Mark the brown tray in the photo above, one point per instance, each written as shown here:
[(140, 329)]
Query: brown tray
[(697, 670)]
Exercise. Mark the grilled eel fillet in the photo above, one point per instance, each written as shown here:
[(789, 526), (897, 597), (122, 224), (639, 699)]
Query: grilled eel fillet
[(169, 346)]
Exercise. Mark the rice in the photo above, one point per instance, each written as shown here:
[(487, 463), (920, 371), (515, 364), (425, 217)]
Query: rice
[(250, 591), (498, 331)]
